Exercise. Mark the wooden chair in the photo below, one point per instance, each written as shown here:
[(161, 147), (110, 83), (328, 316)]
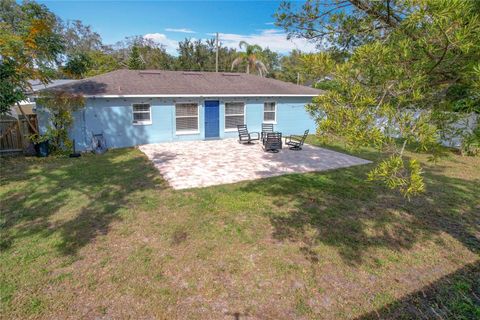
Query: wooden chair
[(246, 137), (266, 128), (296, 142), (272, 142)]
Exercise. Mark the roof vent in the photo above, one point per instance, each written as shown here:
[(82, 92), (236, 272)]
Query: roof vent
[(150, 72), (192, 73)]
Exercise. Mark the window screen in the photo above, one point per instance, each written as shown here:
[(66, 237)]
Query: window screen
[(269, 112), (141, 113), (186, 116), (234, 114)]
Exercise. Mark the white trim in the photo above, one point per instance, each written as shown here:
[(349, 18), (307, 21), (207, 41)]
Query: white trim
[(187, 132), (225, 115), (142, 123), (274, 121), (183, 133), (198, 95)]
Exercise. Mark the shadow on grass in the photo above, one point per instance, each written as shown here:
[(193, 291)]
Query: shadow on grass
[(75, 198), (455, 296), (341, 209)]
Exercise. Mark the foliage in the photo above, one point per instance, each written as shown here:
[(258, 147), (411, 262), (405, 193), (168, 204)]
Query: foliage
[(10, 93), (59, 105), (80, 38), (196, 55), (135, 61), (471, 143), (250, 58), (151, 53), (81, 44), (78, 65), (101, 62), (290, 68), (396, 176), (403, 83), (30, 45), (83, 54), (342, 24), (271, 60)]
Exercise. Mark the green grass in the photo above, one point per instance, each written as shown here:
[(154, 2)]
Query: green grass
[(104, 236)]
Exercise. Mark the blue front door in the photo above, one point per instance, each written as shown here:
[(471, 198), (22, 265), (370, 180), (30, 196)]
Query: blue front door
[(212, 117)]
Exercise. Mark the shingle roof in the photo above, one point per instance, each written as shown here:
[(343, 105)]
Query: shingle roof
[(177, 83), (37, 85)]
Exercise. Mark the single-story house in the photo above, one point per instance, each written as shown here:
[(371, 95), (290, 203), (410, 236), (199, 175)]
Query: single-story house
[(135, 107)]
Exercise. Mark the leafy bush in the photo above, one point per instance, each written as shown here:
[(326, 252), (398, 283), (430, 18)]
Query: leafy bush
[(60, 106)]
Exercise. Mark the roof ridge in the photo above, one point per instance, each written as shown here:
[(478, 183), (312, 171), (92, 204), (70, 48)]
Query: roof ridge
[(99, 75)]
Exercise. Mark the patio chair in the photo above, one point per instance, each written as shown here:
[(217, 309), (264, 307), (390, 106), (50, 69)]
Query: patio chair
[(246, 137), (296, 142), (272, 142), (266, 128)]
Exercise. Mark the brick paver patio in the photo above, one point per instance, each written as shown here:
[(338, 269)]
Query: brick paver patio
[(193, 164)]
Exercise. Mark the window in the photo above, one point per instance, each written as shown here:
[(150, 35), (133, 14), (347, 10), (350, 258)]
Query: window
[(234, 115), (141, 113), (186, 116), (269, 112)]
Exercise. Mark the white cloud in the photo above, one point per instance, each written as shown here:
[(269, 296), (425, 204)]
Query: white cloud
[(182, 30), (274, 39), (170, 44)]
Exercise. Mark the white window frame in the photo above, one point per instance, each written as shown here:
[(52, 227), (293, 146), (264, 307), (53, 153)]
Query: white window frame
[(263, 115), (225, 115), (184, 132), (145, 122)]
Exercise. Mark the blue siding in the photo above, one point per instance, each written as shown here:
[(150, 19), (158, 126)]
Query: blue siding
[(114, 118)]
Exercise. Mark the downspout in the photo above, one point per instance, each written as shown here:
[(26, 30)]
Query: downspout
[(84, 128)]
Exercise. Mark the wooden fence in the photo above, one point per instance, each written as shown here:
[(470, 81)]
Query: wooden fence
[(14, 134)]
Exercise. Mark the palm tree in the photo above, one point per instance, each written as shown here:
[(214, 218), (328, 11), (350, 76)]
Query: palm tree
[(250, 56)]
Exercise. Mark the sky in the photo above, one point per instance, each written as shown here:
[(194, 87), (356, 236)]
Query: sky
[(168, 22)]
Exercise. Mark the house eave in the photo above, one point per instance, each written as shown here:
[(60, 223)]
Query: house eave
[(196, 95)]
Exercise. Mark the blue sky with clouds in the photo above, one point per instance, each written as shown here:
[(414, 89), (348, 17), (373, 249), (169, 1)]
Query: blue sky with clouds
[(168, 22)]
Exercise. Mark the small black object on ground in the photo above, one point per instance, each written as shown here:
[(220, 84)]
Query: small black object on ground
[(42, 149)]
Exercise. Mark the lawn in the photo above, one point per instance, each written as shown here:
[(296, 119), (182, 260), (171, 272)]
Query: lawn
[(104, 236)]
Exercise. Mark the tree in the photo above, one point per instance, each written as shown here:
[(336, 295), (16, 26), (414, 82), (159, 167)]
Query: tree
[(59, 106), (81, 42), (101, 61), (80, 38), (78, 65), (30, 48), (292, 68), (197, 55), (271, 60), (135, 61), (250, 57), (342, 24), (10, 93), (151, 54), (396, 85)]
